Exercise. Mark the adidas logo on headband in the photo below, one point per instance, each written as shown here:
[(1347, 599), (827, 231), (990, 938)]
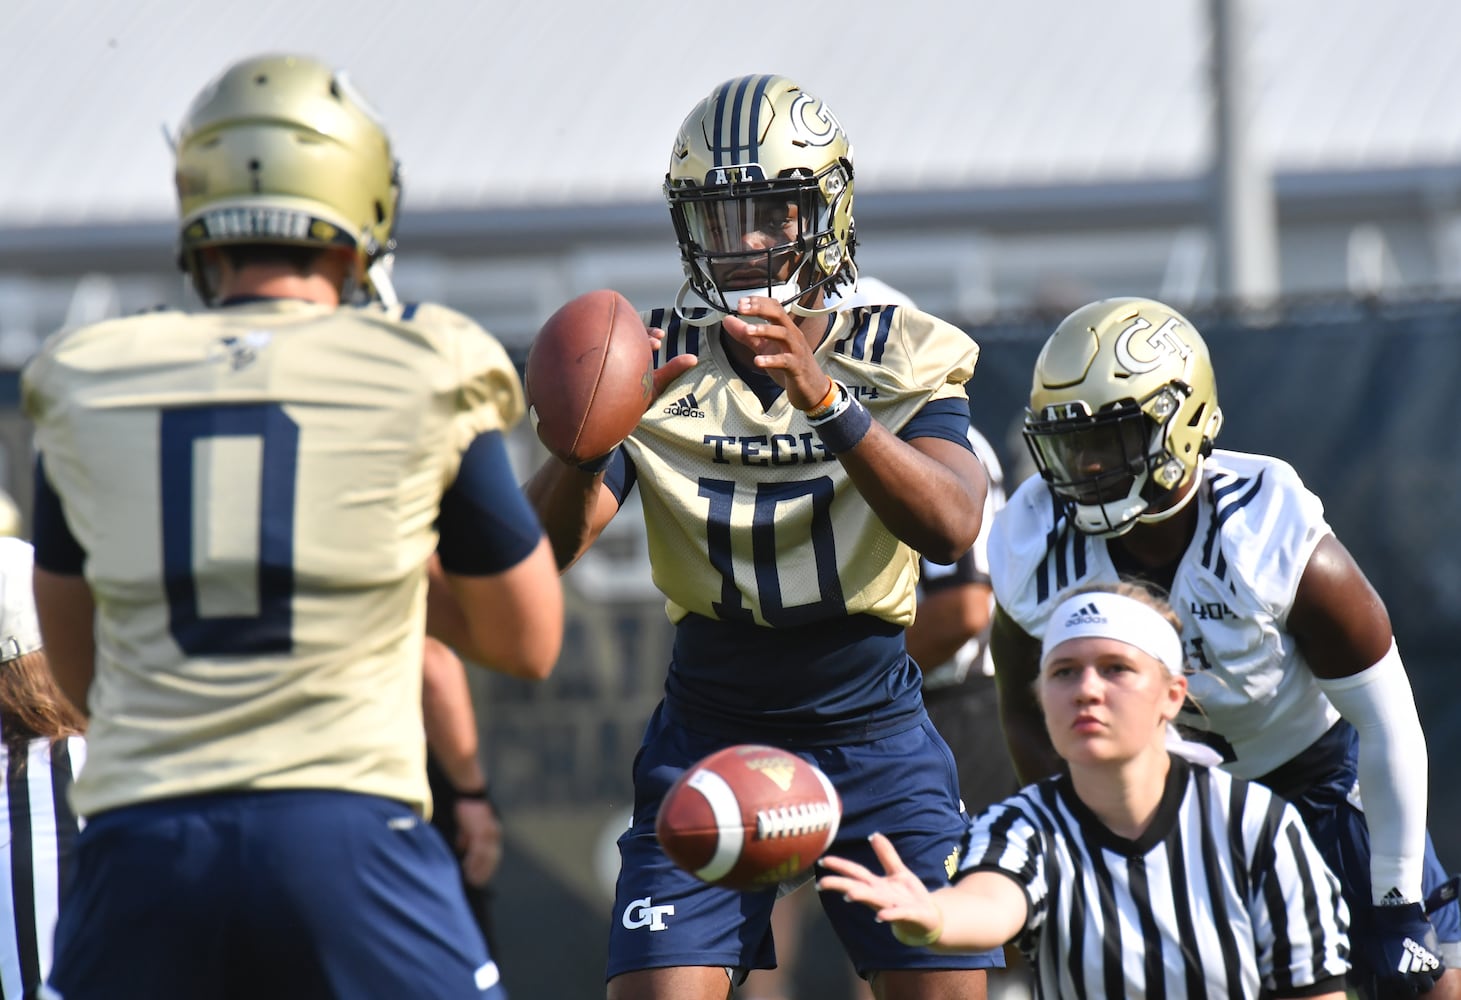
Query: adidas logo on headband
[(1087, 615)]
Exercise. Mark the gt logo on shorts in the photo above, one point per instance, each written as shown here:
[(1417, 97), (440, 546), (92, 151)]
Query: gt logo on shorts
[(640, 913)]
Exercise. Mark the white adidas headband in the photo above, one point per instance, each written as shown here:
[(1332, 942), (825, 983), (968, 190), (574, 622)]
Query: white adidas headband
[(1114, 616)]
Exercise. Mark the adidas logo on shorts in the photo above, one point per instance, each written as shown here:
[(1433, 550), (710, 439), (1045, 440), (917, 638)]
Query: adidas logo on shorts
[(1417, 958)]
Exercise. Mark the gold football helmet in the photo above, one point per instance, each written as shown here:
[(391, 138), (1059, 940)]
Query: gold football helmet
[(1123, 411), (760, 192), (282, 149)]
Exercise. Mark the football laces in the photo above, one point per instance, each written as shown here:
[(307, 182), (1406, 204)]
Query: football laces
[(793, 821)]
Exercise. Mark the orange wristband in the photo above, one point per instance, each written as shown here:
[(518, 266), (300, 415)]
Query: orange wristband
[(827, 400)]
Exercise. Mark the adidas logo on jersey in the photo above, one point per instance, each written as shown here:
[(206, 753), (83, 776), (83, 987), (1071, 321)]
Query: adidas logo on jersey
[(1417, 958), (1088, 614), (685, 406)]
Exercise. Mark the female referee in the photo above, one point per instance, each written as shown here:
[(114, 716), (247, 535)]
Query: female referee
[(1140, 872)]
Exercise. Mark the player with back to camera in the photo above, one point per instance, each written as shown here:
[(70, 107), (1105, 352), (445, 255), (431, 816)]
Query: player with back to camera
[(1137, 873), (795, 463), (1296, 678), (251, 503)]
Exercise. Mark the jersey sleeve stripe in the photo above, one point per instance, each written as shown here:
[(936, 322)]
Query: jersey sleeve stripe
[(885, 327)]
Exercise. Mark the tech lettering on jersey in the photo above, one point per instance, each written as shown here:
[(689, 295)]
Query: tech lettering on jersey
[(764, 449)]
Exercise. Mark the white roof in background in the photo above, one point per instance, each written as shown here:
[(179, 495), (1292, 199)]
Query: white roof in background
[(512, 102)]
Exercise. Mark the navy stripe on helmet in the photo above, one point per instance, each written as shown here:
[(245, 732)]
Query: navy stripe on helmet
[(732, 145)]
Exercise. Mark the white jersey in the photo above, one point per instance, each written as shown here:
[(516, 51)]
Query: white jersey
[(1257, 701), (1223, 895)]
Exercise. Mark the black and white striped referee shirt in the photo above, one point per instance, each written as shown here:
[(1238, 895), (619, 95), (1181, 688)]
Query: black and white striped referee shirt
[(1224, 895), (39, 831)]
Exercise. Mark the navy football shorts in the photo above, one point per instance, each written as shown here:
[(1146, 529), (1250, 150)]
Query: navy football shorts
[(903, 786), (283, 894)]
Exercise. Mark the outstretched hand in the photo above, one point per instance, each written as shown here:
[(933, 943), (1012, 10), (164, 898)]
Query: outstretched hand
[(898, 897), (780, 349)]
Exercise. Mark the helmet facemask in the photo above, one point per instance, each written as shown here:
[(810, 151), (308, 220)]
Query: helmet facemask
[(774, 238), (1112, 468)]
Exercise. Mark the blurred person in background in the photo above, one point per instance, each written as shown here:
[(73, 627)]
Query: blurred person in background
[(42, 747), (245, 519), (1296, 679), (1138, 872), (790, 579)]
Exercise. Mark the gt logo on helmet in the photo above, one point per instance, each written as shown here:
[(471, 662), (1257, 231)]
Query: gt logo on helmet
[(818, 125), (1154, 347)]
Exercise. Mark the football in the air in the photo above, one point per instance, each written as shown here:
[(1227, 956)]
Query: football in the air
[(589, 375), (748, 817)]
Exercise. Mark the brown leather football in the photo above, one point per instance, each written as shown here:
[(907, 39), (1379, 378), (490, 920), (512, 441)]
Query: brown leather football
[(749, 817), (589, 375)]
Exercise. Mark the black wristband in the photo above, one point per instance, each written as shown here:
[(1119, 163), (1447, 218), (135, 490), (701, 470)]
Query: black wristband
[(842, 431), (482, 794)]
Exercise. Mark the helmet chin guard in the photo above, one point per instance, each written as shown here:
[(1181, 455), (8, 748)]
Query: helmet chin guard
[(789, 295)]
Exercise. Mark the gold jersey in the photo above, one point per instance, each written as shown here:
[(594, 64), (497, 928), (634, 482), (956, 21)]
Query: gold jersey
[(749, 517), (256, 490)]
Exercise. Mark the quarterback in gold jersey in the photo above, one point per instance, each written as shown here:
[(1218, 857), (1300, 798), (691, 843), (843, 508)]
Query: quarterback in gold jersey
[(251, 504), (795, 463)]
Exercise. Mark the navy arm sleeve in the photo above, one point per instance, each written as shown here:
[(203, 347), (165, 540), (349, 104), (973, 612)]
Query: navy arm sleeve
[(941, 418), (486, 524)]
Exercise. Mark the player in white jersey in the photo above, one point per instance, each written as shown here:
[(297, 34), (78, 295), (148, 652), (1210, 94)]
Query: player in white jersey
[(1137, 874), (795, 463), (41, 751), (1294, 672), (239, 514)]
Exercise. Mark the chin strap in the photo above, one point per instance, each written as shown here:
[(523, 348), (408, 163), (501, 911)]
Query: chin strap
[(789, 295), (712, 314), (378, 275)]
